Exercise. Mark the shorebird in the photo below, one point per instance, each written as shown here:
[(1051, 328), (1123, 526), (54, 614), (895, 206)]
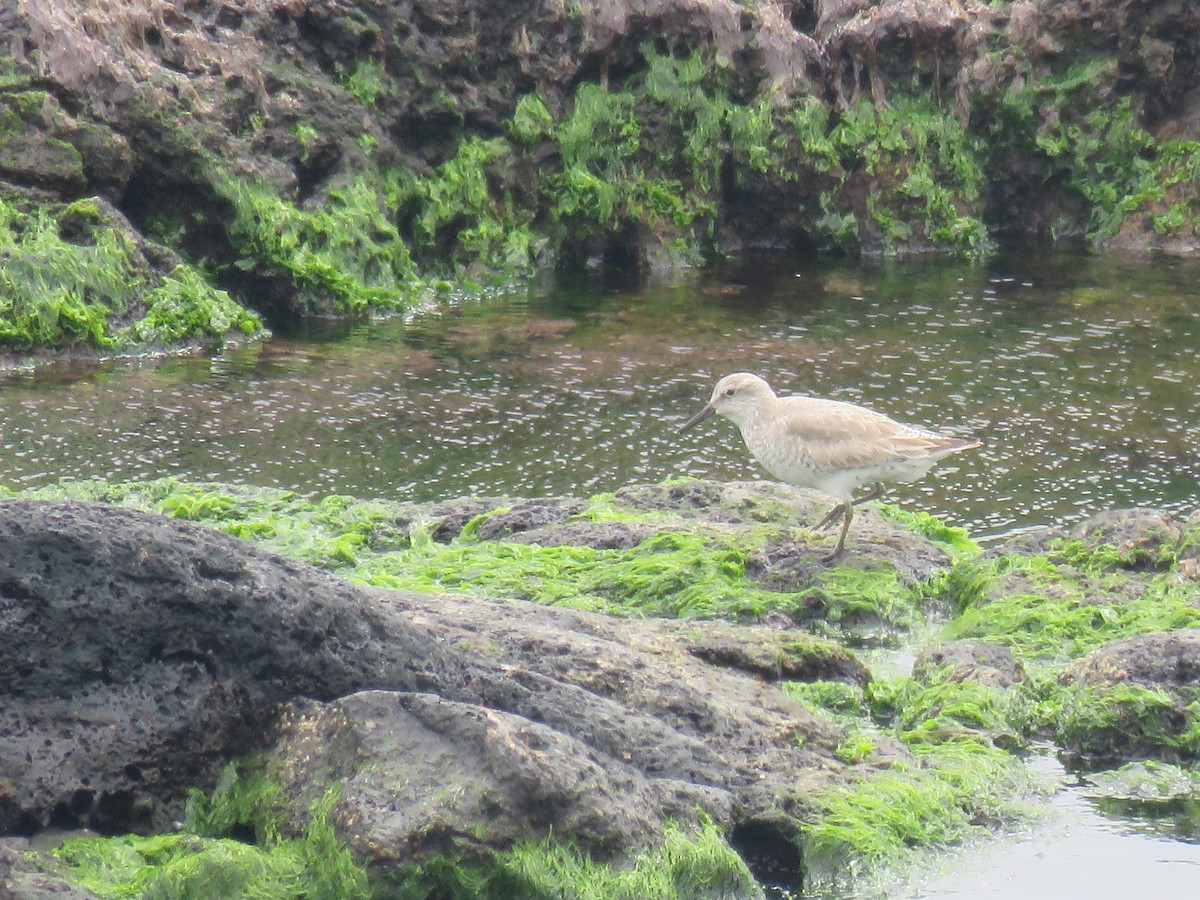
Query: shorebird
[(828, 445)]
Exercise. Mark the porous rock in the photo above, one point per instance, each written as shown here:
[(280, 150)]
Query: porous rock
[(144, 653)]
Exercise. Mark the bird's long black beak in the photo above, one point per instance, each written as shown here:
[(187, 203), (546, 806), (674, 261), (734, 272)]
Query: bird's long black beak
[(698, 417)]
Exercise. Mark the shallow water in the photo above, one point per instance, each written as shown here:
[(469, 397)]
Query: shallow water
[(1078, 374), (1076, 850)]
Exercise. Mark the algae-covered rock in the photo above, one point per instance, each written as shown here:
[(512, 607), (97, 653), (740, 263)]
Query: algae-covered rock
[(978, 661), (28, 875), (1134, 697), (343, 156), (481, 688), (1168, 659), (145, 653), (1134, 538)]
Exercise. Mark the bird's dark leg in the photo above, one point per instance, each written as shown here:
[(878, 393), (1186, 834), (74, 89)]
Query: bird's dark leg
[(833, 514), (874, 492), (848, 511)]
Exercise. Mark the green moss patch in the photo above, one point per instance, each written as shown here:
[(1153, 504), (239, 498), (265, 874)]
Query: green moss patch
[(959, 779), (686, 569), (1117, 721), (1051, 610), (345, 255), (70, 277), (687, 864), (951, 791), (202, 861)]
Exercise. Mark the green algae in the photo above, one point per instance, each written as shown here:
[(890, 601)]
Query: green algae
[(834, 698), (347, 252), (685, 569), (923, 171), (951, 538), (1043, 609), (949, 792), (1147, 552), (644, 163), (844, 704), (956, 780), (203, 861), (688, 863), (940, 706), (368, 83), (71, 278), (1111, 721)]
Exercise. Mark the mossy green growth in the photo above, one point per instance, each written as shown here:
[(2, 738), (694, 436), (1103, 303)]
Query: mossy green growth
[(367, 82), (834, 698), (941, 798), (1067, 128), (202, 862), (70, 278), (951, 538), (1173, 202), (940, 708), (844, 704), (345, 255), (684, 569), (962, 775), (1145, 553), (1042, 609), (1114, 721), (462, 214), (689, 863), (921, 168)]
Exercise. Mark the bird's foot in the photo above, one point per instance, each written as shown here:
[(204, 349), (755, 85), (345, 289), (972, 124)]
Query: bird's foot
[(829, 519)]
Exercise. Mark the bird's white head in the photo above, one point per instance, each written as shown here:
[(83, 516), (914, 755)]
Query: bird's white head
[(737, 397)]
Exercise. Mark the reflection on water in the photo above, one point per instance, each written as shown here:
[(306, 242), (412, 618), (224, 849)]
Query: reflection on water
[(1074, 852), (1078, 374)]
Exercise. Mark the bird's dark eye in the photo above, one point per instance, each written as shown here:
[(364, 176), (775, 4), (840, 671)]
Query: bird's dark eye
[(729, 392)]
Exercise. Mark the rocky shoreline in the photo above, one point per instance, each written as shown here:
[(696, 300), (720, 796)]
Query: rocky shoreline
[(451, 690), (175, 172)]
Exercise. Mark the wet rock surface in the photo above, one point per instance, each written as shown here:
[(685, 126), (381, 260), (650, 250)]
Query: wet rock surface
[(1168, 659), (147, 107), (147, 652), (990, 664), (1141, 538), (26, 874)]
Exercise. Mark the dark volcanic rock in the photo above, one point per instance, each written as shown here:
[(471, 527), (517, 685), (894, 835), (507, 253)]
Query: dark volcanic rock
[(23, 875), (527, 516), (423, 775), (143, 653)]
